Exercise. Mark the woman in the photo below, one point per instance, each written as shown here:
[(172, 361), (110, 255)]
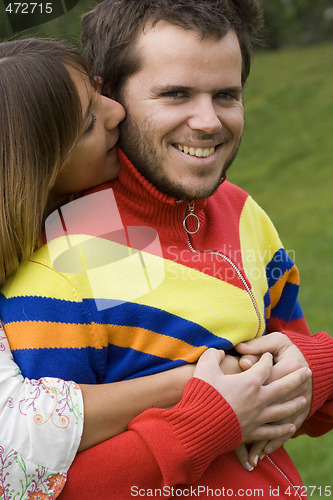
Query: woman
[(58, 136)]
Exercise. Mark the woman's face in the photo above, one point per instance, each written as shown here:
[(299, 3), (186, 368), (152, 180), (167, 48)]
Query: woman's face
[(94, 159)]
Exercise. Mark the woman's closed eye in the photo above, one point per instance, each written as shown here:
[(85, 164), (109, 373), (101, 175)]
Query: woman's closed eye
[(91, 125)]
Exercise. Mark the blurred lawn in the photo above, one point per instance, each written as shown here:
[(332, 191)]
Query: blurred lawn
[(286, 164)]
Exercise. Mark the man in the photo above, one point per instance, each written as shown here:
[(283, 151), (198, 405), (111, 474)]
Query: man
[(179, 68)]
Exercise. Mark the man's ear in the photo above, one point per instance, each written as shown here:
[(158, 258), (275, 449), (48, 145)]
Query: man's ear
[(97, 83)]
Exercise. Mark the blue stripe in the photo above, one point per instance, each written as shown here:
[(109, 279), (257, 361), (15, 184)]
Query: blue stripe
[(276, 268), (124, 363), (23, 309), (90, 366), (267, 299), (267, 303), (40, 309), (288, 307), (84, 366), (156, 320)]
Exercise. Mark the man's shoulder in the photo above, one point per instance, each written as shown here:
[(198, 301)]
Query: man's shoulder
[(232, 190), (229, 197)]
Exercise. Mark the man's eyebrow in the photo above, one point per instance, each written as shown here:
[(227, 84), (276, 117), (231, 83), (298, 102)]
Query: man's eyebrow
[(161, 89), (237, 89)]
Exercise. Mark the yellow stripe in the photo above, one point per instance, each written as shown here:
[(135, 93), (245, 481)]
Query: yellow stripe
[(259, 242), (219, 307), (36, 277), (59, 336)]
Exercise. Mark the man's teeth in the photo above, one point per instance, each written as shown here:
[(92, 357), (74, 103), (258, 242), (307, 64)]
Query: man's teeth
[(198, 152)]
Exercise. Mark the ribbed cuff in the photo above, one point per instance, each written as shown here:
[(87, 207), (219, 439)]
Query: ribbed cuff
[(318, 351), (205, 423), (186, 439)]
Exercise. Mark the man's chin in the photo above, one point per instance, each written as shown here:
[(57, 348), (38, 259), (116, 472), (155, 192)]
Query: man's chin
[(199, 191)]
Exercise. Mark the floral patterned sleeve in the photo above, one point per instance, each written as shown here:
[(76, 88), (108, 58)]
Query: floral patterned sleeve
[(41, 423)]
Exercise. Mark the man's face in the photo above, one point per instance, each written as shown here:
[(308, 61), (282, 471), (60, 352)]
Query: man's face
[(184, 110)]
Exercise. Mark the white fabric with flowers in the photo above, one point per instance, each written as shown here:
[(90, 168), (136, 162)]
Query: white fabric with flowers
[(41, 423)]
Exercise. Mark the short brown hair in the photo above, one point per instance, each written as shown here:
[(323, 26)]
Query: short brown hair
[(111, 29), (41, 119)]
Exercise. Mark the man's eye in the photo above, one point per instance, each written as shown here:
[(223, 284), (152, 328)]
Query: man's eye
[(224, 95), (91, 125), (174, 94), (228, 96)]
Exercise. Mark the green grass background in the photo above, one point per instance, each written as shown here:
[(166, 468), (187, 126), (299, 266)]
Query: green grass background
[(286, 164)]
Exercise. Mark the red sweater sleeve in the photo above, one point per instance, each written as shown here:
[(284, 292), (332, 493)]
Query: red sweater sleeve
[(318, 351), (160, 448)]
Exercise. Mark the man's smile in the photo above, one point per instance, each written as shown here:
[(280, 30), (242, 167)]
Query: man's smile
[(198, 152)]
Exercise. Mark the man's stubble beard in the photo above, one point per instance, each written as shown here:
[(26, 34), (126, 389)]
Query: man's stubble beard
[(136, 143)]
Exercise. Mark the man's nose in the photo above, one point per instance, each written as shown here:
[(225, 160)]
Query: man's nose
[(204, 116)]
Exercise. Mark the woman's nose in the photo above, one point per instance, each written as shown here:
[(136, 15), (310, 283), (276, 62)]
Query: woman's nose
[(114, 113)]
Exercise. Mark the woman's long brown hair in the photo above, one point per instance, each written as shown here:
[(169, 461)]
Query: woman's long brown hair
[(40, 122)]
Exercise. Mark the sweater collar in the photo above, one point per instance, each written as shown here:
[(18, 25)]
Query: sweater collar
[(134, 182), (140, 198)]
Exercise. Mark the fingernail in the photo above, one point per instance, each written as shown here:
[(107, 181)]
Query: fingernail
[(248, 467), (309, 372), (262, 455), (256, 460), (248, 361)]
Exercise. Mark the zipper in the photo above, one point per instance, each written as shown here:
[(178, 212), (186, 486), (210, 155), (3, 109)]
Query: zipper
[(191, 213), (191, 207), (295, 489)]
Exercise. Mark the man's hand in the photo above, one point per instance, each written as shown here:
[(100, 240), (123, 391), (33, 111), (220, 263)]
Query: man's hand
[(260, 407), (288, 358)]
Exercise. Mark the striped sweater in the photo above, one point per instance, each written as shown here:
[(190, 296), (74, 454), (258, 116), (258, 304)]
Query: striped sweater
[(122, 290), (132, 282)]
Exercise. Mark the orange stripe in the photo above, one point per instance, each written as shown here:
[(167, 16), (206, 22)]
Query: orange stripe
[(156, 344), (268, 312), (293, 276), (30, 334), (290, 276)]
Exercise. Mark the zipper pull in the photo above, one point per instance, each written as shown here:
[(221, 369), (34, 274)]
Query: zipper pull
[(191, 213), (191, 207)]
